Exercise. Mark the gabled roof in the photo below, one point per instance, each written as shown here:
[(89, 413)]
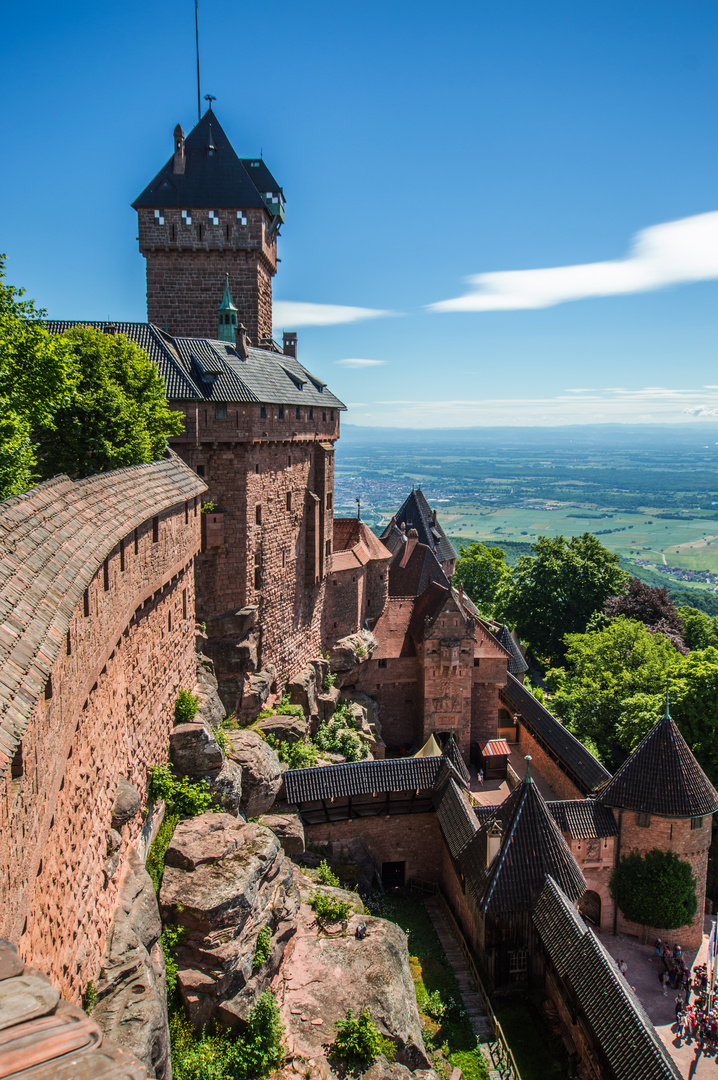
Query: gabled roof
[(54, 539), (584, 819), (532, 847), (217, 180), (355, 545), (516, 665), (415, 513), (573, 758), (205, 369), (361, 778), (620, 1026), (421, 568), (662, 777), (457, 820)]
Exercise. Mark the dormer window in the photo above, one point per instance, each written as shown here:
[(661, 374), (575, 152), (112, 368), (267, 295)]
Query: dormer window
[(159, 217)]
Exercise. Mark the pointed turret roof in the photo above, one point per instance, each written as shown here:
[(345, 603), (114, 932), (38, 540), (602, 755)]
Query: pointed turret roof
[(217, 179), (662, 777), (516, 665), (416, 513), (532, 847), (227, 302)]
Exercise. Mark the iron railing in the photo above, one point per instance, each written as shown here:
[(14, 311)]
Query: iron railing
[(498, 1047)]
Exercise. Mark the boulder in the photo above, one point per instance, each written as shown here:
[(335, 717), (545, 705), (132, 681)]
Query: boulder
[(291, 729), (327, 702), (288, 829), (126, 804), (131, 1006), (233, 623), (381, 1069), (261, 775), (211, 710), (326, 975), (197, 755), (224, 881), (257, 688), (303, 689), (321, 666), (347, 654)]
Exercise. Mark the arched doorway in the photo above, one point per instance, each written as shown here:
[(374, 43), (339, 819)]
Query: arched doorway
[(590, 907)]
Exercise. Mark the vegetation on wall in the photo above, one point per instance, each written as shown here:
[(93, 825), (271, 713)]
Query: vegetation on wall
[(186, 707), (656, 889), (252, 1054), (358, 1041)]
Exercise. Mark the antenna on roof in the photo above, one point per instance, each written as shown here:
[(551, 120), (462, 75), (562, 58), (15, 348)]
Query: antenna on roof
[(667, 714), (196, 39)]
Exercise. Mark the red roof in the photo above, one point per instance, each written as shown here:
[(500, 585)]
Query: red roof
[(495, 748), (355, 545)]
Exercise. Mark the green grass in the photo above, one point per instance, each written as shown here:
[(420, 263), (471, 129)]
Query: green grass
[(535, 1048), (431, 972)]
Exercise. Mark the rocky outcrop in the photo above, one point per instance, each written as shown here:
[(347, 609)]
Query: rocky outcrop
[(288, 829), (126, 804), (289, 729), (326, 975), (131, 1003), (224, 881), (259, 765), (256, 689), (231, 641), (211, 710), (303, 689), (349, 653), (197, 755)]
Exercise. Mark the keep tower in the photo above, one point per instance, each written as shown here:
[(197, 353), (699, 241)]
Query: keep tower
[(210, 219)]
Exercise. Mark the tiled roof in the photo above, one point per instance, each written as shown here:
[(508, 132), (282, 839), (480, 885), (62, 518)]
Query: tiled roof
[(420, 569), (662, 777), (218, 180), (624, 1032), (457, 820), (416, 513), (205, 369), (531, 848), (361, 778), (517, 665), (53, 540), (495, 748), (578, 762), (453, 754), (584, 819), (355, 545)]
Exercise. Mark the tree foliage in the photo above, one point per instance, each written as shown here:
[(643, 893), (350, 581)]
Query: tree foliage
[(484, 574), (555, 591), (700, 631), (656, 889), (653, 607), (254, 1053)]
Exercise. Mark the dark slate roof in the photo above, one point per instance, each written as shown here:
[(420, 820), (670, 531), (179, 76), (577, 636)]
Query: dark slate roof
[(416, 513), (532, 847), (516, 665), (422, 567), (626, 1035), (584, 819), (662, 777), (452, 752), (362, 778), (219, 180), (205, 369), (457, 820), (578, 762), (53, 540)]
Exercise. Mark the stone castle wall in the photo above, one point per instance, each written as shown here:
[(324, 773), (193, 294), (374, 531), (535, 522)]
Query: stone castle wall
[(187, 264), (552, 774), (106, 712), (414, 839), (397, 688)]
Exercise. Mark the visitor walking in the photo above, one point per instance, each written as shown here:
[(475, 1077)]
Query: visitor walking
[(663, 980), (679, 1007), (623, 966)]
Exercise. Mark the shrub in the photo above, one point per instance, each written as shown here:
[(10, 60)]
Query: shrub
[(656, 889), (89, 997), (170, 938), (183, 798), (298, 755), (358, 1041), (329, 680), (434, 1006), (222, 739), (262, 948), (285, 708), (186, 707), (335, 738), (326, 875), (254, 1053), (330, 908)]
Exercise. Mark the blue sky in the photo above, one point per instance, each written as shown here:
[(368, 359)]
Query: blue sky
[(419, 145)]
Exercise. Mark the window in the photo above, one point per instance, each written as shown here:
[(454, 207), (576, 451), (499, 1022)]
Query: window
[(289, 461), (281, 412), (381, 663), (220, 410), (200, 470), (106, 575), (186, 516), (258, 514), (256, 467), (330, 501), (258, 577), (69, 644), (263, 412), (122, 546), (186, 217), (17, 768), (137, 543), (48, 689), (643, 820), (331, 414), (518, 964), (289, 500), (392, 875), (86, 603), (697, 823), (311, 414), (169, 621), (328, 548), (297, 413), (184, 603), (476, 661), (159, 217), (155, 530), (324, 414)]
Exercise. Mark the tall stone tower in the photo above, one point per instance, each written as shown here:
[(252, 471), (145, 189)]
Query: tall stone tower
[(210, 219)]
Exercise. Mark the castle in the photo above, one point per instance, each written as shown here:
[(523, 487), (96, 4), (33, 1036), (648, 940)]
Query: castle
[(102, 581)]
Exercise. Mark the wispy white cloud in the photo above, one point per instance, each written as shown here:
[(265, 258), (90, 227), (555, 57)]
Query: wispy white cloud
[(295, 313), (356, 362), (649, 405), (673, 253)]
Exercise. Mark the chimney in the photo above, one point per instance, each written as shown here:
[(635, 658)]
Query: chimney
[(493, 844), (289, 344), (110, 328), (411, 542), (179, 161), (241, 345), (433, 514)]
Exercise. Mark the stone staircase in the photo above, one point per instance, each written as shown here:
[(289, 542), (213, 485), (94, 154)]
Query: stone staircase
[(469, 994)]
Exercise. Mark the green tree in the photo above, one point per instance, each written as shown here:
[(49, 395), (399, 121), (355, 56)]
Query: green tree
[(556, 591), (484, 574), (118, 413), (604, 669), (699, 629), (656, 889), (36, 377)]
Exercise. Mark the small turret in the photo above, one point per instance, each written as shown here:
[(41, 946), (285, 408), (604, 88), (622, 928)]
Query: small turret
[(227, 316), (179, 158)]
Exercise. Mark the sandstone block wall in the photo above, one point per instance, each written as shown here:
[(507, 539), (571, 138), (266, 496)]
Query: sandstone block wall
[(597, 858), (447, 656), (345, 603), (552, 774), (187, 264), (108, 711), (414, 839), (398, 690)]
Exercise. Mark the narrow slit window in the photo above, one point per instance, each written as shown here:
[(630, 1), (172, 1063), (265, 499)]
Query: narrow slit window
[(155, 530), (289, 500), (122, 551), (258, 514)]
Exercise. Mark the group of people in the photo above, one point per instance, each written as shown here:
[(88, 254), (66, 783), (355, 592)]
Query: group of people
[(696, 1016)]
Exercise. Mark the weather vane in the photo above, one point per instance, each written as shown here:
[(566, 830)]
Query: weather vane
[(210, 98)]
